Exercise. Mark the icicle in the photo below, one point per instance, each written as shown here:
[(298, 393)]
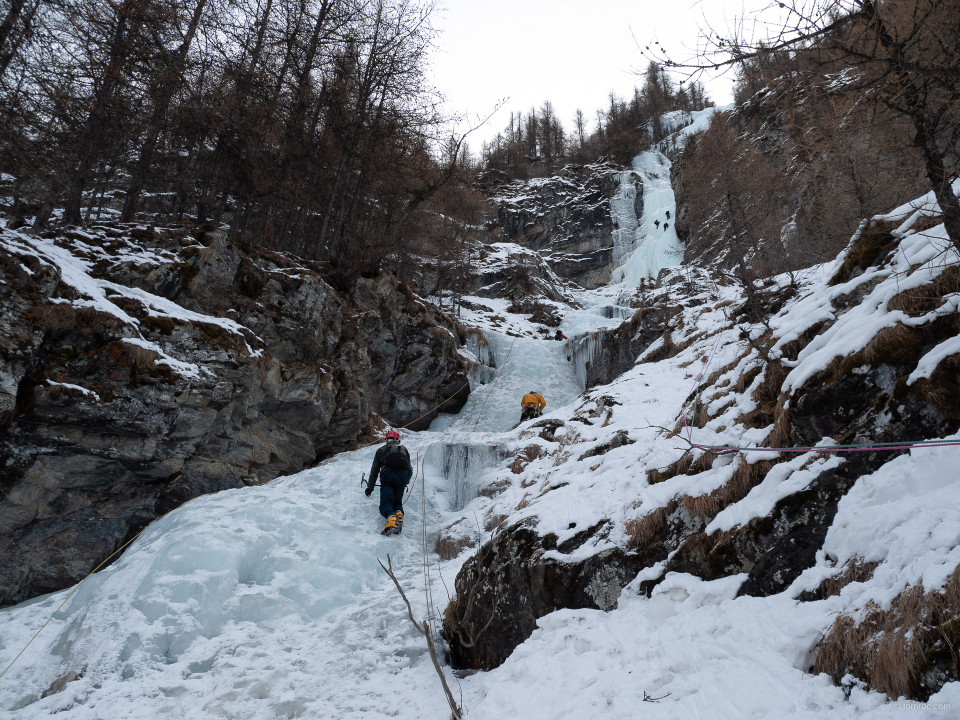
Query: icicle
[(584, 348), (464, 466), (615, 311)]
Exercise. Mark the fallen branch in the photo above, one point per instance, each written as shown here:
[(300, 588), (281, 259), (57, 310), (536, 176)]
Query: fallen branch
[(424, 629), (648, 698)]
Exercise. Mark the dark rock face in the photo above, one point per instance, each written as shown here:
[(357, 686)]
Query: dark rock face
[(509, 584), (620, 439), (99, 436), (774, 549), (567, 217), (522, 277)]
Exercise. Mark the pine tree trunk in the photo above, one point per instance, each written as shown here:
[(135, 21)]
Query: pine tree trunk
[(90, 137), (926, 142), (169, 81)]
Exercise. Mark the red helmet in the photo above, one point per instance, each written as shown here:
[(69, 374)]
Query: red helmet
[(393, 435)]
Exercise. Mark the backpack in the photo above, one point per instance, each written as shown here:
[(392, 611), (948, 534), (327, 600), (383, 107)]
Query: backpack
[(397, 457)]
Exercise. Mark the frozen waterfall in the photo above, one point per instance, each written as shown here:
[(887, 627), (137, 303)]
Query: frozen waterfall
[(648, 242)]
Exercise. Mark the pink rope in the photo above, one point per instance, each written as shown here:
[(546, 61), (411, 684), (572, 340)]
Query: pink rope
[(828, 448), (824, 449)]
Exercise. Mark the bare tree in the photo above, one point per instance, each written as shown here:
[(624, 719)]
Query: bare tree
[(428, 631), (167, 80), (904, 56)]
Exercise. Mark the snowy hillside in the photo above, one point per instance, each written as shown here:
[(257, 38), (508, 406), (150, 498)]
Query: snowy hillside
[(639, 551)]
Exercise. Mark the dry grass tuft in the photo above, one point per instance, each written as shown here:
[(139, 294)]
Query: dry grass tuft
[(747, 377), (926, 298), (645, 531), (908, 651), (678, 467), (701, 416), (449, 546), (702, 463), (744, 479), (780, 435), (493, 521), (896, 345), (854, 571), (768, 398), (869, 249), (704, 506), (139, 355), (56, 319), (717, 374), (525, 457), (666, 350)]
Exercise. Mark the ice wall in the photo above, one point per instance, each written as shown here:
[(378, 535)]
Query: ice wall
[(583, 350), (522, 365), (656, 244), (463, 464), (627, 233)]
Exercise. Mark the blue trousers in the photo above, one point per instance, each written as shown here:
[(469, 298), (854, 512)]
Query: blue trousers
[(391, 494)]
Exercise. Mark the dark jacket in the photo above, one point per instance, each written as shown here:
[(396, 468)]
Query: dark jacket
[(378, 461)]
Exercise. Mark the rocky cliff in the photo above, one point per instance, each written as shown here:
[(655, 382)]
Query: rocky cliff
[(566, 217), (142, 367)]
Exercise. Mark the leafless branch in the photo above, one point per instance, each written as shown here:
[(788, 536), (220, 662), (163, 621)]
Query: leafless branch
[(427, 632)]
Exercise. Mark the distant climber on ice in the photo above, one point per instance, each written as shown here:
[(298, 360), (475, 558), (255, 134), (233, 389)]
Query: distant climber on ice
[(558, 336), (392, 464), (532, 404), (656, 224), (666, 225), (668, 214)]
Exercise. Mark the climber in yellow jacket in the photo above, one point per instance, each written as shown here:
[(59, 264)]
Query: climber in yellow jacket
[(532, 405)]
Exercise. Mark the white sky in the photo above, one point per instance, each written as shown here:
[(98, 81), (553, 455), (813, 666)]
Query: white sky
[(570, 52)]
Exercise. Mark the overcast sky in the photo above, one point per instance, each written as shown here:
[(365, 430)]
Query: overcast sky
[(571, 52)]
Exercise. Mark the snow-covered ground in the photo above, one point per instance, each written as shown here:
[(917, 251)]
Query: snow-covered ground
[(257, 602)]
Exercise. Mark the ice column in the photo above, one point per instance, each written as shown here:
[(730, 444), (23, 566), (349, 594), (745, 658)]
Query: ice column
[(464, 465), (623, 211)]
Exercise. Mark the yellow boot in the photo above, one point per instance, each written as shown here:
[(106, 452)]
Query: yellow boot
[(391, 527), (399, 514)]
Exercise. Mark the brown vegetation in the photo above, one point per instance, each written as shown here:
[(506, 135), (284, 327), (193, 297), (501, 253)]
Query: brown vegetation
[(525, 457), (857, 570), (647, 530), (746, 477), (908, 651), (306, 126)]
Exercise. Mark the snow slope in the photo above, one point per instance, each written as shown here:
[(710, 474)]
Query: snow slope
[(257, 602)]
